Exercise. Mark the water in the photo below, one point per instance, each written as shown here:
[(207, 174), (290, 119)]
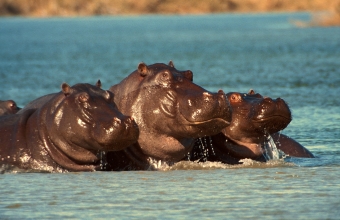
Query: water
[(270, 150), (264, 52)]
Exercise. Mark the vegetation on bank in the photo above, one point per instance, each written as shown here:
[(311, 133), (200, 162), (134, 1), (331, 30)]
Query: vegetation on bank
[(44, 8)]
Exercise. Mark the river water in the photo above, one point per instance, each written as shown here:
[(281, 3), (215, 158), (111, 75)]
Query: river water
[(235, 52)]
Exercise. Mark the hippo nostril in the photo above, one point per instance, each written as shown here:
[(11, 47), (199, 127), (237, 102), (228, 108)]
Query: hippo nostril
[(279, 100), (207, 94), (267, 99), (207, 97), (129, 119), (117, 120)]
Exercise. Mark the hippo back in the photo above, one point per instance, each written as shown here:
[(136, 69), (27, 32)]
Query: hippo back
[(37, 103)]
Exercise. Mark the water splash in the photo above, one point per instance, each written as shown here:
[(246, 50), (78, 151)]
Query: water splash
[(246, 163), (203, 149), (103, 161), (159, 164), (270, 151)]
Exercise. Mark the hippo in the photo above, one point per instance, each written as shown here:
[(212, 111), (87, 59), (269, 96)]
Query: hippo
[(67, 132), (8, 107), (170, 111), (37, 103), (290, 146), (254, 118)]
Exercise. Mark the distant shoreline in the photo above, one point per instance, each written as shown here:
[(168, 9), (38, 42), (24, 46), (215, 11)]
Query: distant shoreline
[(67, 8)]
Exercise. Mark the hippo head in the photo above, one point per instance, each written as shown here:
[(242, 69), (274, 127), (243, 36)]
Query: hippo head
[(170, 109), (254, 116), (84, 118), (8, 107)]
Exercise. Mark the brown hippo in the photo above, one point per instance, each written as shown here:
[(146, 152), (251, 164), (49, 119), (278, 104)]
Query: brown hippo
[(37, 103), (290, 147), (170, 110), (253, 118), (8, 107), (67, 132)]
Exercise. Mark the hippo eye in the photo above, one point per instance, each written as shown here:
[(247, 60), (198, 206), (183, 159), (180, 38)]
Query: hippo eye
[(165, 75), (13, 106), (235, 98)]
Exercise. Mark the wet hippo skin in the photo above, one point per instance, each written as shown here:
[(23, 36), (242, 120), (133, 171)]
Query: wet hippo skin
[(38, 102), (170, 110), (66, 132), (253, 117), (8, 107), (290, 146)]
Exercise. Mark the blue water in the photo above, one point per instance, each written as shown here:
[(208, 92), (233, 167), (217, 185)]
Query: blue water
[(237, 52)]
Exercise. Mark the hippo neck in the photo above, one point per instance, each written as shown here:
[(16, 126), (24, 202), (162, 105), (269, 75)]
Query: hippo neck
[(143, 159), (244, 149), (163, 147), (55, 147)]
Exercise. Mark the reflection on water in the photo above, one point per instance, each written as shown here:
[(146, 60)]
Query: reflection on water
[(263, 52)]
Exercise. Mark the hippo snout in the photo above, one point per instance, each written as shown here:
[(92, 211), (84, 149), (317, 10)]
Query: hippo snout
[(281, 101), (267, 100), (283, 107), (211, 105), (130, 123), (125, 124), (116, 121)]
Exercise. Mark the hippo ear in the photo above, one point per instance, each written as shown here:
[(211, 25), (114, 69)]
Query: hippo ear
[(143, 69), (12, 105), (171, 64), (66, 89), (189, 75), (99, 84), (251, 92)]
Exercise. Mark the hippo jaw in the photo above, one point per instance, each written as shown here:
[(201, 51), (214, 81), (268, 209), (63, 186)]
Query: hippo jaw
[(273, 115), (196, 129), (123, 133), (163, 147), (196, 116)]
